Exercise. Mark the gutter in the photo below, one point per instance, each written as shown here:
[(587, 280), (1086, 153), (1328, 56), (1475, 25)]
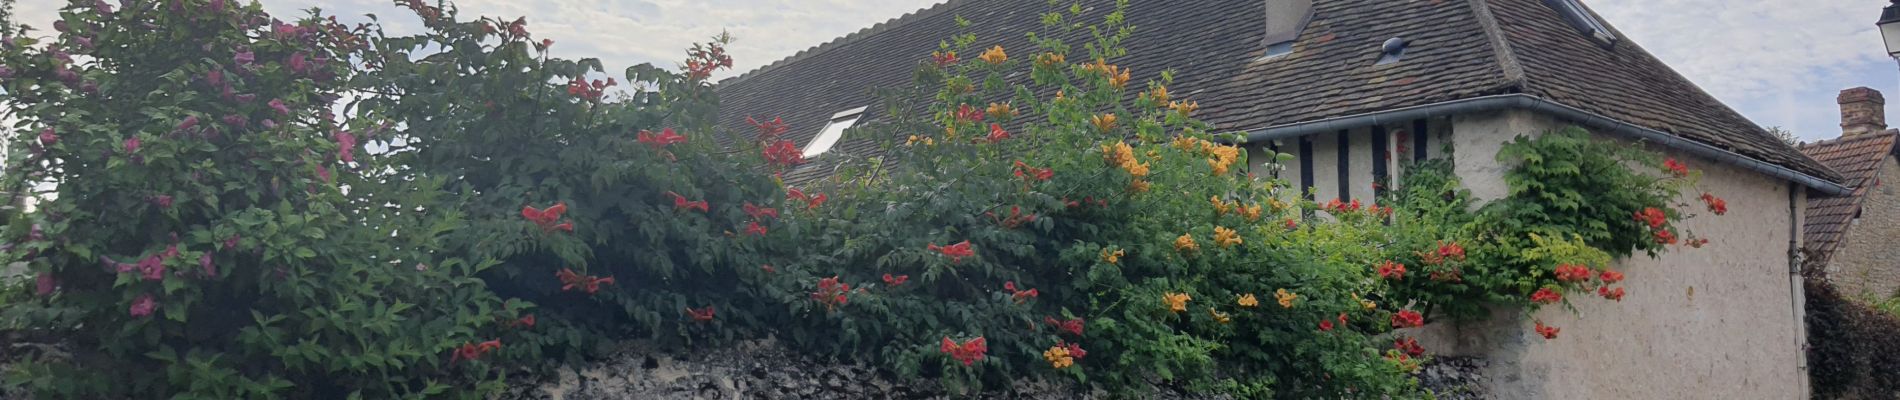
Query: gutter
[(1534, 103)]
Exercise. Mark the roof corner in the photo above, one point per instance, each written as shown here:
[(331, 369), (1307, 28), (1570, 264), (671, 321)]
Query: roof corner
[(1501, 48)]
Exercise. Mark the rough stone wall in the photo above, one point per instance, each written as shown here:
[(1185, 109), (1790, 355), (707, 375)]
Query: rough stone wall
[(1867, 261), (764, 369), (1720, 322)]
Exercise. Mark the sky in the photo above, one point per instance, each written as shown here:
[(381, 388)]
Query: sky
[(1779, 62)]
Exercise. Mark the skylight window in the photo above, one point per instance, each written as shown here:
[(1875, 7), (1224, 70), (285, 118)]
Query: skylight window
[(833, 131), (1583, 20)]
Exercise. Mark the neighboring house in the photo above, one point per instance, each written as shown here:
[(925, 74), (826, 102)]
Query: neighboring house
[(1857, 237), (1310, 78)]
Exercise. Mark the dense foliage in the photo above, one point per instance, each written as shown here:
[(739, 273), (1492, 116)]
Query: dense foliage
[(212, 213), (195, 235), (1556, 233), (1850, 345)]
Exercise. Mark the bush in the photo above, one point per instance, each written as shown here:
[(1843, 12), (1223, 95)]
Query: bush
[(1552, 238), (1850, 345), (206, 227), (1080, 210), (1028, 217), (647, 209)]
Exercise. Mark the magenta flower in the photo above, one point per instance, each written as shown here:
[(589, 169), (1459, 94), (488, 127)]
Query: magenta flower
[(215, 77), (282, 30), (85, 42), (346, 146), (47, 137), (231, 242), (234, 120), (244, 58), (45, 284), (211, 270), (101, 7), (269, 124), (5, 72), (323, 173), (246, 98), (163, 200), (144, 306), (296, 62), (66, 75), (278, 104), (132, 145), (152, 268), (189, 122)]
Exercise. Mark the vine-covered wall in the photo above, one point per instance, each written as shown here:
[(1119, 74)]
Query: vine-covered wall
[(1715, 322)]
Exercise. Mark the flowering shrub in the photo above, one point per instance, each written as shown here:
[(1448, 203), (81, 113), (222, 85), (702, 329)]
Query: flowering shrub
[(1551, 240), (194, 238), (1070, 209), (1037, 217), (656, 224)]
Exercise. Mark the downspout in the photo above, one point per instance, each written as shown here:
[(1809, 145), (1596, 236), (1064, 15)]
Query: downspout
[(1797, 295), (1534, 103)]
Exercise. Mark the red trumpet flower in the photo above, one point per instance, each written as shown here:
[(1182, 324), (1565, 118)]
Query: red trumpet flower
[(680, 203), (587, 283), (666, 137), (700, 315), (895, 280), (1546, 296), (956, 252), (546, 219), (760, 213), (968, 352), (1072, 326)]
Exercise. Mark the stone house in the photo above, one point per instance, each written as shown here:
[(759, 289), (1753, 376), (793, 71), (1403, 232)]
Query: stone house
[(1350, 86), (1854, 237)]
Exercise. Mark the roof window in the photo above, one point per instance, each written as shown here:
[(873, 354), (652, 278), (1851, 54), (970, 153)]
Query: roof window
[(1285, 19), (833, 131), (1581, 18)]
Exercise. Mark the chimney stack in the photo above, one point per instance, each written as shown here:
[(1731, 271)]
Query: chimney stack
[(1863, 111)]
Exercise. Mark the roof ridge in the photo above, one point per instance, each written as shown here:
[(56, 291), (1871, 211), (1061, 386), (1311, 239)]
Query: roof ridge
[(1507, 59), (1846, 139), (853, 37)]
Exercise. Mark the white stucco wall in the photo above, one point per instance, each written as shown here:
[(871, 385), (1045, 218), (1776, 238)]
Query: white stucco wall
[(1360, 154), (1720, 322), (1325, 167)]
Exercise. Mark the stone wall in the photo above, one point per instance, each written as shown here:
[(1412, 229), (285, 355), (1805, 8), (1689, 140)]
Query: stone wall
[(1719, 322), (1867, 261), (765, 369)]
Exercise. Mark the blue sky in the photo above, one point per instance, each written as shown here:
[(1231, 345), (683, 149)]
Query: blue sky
[(1779, 62)]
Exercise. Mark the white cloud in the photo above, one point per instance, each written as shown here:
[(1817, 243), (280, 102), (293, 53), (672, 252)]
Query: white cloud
[(1739, 48), (626, 32), (1779, 62)]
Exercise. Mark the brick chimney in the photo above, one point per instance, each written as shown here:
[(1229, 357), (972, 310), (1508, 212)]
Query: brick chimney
[(1863, 111)]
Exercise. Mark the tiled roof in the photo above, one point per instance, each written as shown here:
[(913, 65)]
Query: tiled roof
[(1859, 159), (1456, 49)]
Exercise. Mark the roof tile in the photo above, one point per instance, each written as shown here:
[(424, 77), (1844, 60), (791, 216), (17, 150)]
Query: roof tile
[(1457, 49), (1858, 159)]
